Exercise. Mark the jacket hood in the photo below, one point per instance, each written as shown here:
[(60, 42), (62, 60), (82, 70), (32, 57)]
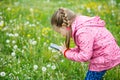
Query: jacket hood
[(85, 21)]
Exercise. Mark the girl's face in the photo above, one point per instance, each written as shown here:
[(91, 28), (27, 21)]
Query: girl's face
[(61, 30)]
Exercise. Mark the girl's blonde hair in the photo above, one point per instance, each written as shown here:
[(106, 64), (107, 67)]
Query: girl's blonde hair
[(63, 17)]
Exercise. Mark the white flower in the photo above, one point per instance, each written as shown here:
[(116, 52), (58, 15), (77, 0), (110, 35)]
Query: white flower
[(13, 54), (39, 38), (0, 13), (13, 41), (24, 47), (31, 9), (62, 60), (15, 46), (7, 41), (53, 50), (35, 67), (44, 69), (99, 7), (1, 23), (8, 8), (53, 67), (44, 43), (16, 35), (10, 34), (48, 65), (22, 51), (49, 48), (27, 23), (5, 28), (32, 42), (2, 74), (88, 9)]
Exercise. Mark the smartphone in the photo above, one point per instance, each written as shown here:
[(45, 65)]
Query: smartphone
[(55, 46)]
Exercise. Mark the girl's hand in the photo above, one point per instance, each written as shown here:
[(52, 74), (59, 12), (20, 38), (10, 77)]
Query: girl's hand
[(63, 47)]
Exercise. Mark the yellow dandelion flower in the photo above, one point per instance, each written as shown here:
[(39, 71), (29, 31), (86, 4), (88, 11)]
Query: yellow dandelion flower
[(28, 35)]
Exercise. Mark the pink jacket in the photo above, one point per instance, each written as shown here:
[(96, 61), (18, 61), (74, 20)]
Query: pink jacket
[(94, 43)]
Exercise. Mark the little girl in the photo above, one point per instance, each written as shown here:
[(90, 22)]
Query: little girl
[(94, 43)]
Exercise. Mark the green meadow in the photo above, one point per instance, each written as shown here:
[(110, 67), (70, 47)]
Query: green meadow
[(26, 33)]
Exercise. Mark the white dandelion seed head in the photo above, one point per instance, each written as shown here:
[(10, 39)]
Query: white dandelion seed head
[(62, 60), (15, 46), (89, 10), (16, 35), (7, 41), (53, 67), (35, 67), (39, 38), (44, 69), (1, 23), (31, 9), (8, 8), (13, 54), (49, 48), (53, 50), (13, 41), (32, 42), (48, 65), (10, 34), (2, 74)]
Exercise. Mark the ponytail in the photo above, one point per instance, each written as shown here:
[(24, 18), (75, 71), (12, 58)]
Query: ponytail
[(68, 35), (64, 17)]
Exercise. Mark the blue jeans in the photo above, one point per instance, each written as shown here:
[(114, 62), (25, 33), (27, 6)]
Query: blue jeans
[(94, 75)]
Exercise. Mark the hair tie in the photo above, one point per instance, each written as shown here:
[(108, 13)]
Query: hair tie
[(68, 28)]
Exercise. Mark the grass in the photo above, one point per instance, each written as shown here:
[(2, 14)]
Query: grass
[(26, 33)]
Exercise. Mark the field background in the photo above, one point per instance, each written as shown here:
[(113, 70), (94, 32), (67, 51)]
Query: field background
[(26, 33)]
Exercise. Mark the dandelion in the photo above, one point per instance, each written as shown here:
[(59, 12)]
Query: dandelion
[(22, 51), (27, 23), (45, 31), (13, 54), (53, 50), (0, 13), (99, 7), (9, 34), (2, 74), (88, 9), (2, 23), (53, 67), (32, 42), (15, 46), (28, 35), (16, 35), (16, 3), (7, 41), (24, 47), (8, 8), (39, 38), (31, 10), (49, 48), (33, 25), (44, 69), (44, 43), (13, 41), (48, 65), (11, 21), (35, 67), (5, 28), (62, 60)]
